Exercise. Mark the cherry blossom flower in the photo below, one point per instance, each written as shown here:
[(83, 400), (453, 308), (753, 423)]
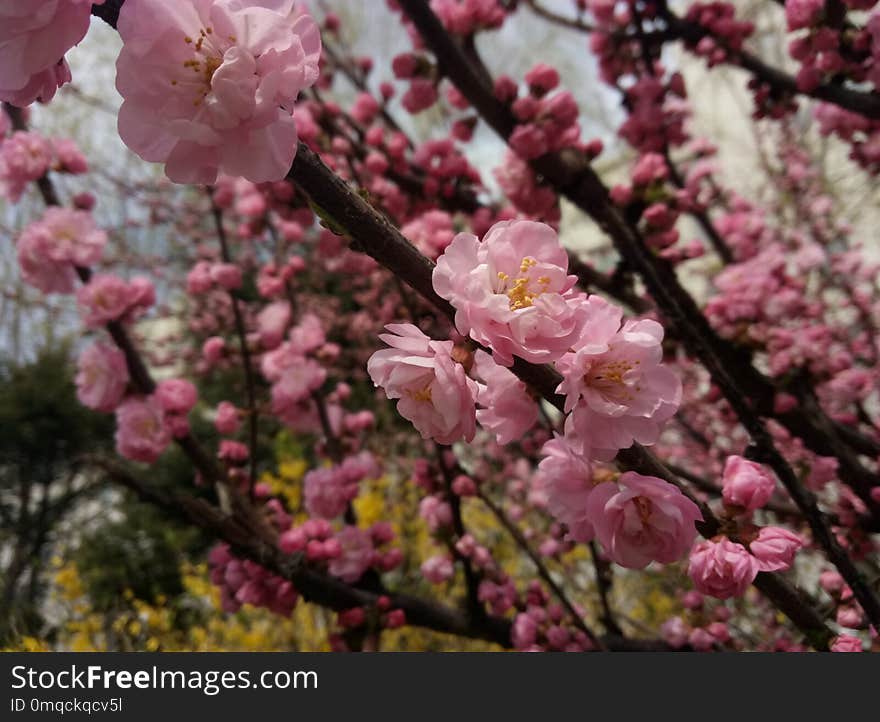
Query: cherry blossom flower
[(24, 157), (642, 519), (356, 554), (209, 86), (107, 298), (507, 409), (102, 377), (328, 490), (141, 431), (774, 548), (227, 420), (614, 382), (49, 249), (847, 643), (746, 484), (434, 391), (437, 569), (722, 569), (511, 291), (565, 478), (176, 396), (33, 40)]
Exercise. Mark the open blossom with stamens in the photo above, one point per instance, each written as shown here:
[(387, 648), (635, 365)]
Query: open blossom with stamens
[(511, 291), (642, 519), (615, 385), (209, 85), (34, 36), (434, 391), (507, 409), (49, 249)]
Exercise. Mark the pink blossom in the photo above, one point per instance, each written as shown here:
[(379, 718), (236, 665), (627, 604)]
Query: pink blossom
[(802, 13), (226, 275), (511, 291), (24, 158), (33, 41), (49, 249), (642, 519), (438, 569), (233, 451), (722, 569), (209, 87), (674, 631), (746, 484), (520, 185), (176, 396), (356, 555), (615, 383), (295, 383), (42, 86), (508, 410), (68, 157), (422, 94), (524, 631), (199, 280), (272, 323), (226, 421), (434, 391), (107, 298), (774, 548), (851, 617), (308, 335), (436, 512), (463, 17), (212, 349), (430, 232), (102, 377), (565, 478), (141, 432), (327, 493), (328, 490), (846, 643), (543, 77)]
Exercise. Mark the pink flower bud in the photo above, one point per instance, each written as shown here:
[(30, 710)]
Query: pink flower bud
[(746, 484)]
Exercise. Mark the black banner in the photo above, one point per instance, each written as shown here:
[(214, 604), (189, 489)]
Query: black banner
[(409, 686)]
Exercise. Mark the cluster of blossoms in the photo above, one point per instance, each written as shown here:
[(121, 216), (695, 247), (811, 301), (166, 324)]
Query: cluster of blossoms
[(512, 293), (26, 157), (460, 17), (722, 567), (348, 552), (327, 491), (659, 206), (241, 581), (726, 33), (50, 250), (654, 97)]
